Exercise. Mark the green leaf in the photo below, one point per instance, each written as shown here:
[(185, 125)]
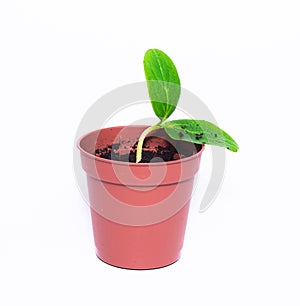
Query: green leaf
[(201, 132), (162, 81)]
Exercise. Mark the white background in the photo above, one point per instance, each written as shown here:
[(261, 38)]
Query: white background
[(240, 57)]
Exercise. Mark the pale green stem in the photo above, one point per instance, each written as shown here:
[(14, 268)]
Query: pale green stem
[(139, 149)]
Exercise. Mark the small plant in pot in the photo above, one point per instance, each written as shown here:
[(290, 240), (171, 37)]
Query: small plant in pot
[(140, 178)]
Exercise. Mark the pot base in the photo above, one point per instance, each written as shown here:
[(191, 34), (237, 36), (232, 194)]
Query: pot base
[(137, 269), (140, 247)]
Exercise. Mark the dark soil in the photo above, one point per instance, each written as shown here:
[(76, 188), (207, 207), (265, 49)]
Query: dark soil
[(154, 150)]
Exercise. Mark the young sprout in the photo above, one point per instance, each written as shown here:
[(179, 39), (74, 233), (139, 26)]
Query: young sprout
[(164, 91)]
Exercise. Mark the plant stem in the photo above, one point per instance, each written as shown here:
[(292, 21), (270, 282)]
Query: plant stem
[(139, 149)]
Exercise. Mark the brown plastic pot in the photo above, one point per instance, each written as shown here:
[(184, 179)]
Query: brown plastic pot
[(139, 211)]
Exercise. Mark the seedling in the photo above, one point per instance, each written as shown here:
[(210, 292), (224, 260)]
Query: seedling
[(164, 91)]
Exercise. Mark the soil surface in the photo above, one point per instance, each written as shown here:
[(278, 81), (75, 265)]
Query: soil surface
[(155, 149)]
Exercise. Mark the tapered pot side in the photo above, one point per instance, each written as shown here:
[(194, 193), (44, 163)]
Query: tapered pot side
[(139, 211)]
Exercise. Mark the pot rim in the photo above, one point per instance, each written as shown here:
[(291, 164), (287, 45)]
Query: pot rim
[(116, 162)]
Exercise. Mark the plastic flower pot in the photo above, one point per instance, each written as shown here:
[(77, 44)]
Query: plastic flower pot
[(139, 210)]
